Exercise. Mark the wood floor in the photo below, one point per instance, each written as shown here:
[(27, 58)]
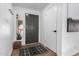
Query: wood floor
[(77, 54), (15, 52)]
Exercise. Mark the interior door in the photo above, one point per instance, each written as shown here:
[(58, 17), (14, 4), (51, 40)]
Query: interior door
[(32, 26), (51, 28)]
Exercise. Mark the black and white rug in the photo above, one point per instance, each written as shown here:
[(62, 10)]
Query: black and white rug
[(32, 51)]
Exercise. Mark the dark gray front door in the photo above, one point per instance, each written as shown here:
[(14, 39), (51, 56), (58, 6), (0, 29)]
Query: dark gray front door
[(32, 28)]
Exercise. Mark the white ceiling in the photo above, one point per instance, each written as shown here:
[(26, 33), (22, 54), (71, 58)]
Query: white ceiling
[(34, 6)]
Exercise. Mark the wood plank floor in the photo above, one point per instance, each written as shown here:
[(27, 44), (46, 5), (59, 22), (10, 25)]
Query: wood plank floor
[(15, 52), (77, 54)]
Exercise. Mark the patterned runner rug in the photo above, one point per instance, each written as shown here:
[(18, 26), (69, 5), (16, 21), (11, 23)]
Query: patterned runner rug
[(32, 51)]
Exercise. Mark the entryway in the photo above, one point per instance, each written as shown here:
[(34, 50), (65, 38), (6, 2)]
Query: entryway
[(37, 26)]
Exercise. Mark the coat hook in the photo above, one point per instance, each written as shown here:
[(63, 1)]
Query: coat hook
[(11, 11)]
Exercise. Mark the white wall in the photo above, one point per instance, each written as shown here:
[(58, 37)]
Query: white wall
[(21, 11), (70, 40), (55, 45), (73, 10), (6, 32), (59, 29)]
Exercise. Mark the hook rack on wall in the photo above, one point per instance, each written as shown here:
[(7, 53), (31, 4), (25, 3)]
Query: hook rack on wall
[(11, 11)]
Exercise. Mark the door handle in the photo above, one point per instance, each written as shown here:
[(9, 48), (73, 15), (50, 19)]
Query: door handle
[(54, 31)]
